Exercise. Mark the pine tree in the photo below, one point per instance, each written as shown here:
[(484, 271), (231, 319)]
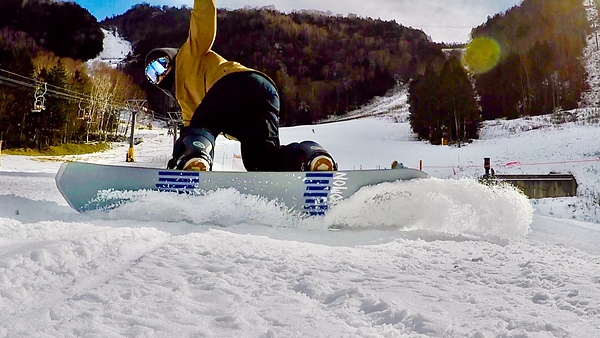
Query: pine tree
[(425, 106), (463, 116), (76, 123), (443, 105), (57, 108), (15, 101)]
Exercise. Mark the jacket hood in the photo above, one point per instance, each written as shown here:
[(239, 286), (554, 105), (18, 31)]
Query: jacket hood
[(154, 54), (167, 85)]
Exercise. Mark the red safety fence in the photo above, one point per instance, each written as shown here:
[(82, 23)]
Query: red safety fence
[(512, 164)]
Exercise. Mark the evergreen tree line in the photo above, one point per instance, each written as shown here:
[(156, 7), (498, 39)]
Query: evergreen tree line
[(541, 67), (539, 70), (442, 104), (323, 65)]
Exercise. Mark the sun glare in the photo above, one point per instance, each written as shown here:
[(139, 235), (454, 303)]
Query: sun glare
[(481, 55)]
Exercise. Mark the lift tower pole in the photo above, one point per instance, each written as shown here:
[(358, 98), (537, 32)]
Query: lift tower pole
[(134, 106)]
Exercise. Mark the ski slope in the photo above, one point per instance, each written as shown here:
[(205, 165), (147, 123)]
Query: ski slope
[(439, 257), (443, 257)]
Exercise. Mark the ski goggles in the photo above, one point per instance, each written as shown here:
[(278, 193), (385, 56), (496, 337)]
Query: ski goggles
[(156, 69)]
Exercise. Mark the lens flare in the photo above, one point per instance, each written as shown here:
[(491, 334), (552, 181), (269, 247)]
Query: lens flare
[(481, 55)]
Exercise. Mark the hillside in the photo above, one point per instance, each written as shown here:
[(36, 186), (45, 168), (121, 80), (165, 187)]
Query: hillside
[(323, 65), (538, 48), (65, 28)]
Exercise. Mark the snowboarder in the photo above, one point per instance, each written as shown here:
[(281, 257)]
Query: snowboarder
[(219, 96)]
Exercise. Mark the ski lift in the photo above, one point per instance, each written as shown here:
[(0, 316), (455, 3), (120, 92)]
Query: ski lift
[(174, 121), (174, 118), (83, 113), (40, 101)]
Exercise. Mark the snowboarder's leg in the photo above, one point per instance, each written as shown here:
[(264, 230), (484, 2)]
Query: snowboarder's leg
[(261, 150), (261, 155), (246, 107), (306, 156), (319, 158), (194, 150)]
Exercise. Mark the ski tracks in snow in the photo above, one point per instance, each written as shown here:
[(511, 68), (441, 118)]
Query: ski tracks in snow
[(39, 256), (124, 273), (220, 284)]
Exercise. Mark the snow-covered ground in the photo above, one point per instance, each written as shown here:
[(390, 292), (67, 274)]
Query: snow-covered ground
[(393, 105), (442, 257), (115, 48)]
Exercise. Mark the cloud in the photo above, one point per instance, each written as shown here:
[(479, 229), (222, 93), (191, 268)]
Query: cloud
[(443, 20)]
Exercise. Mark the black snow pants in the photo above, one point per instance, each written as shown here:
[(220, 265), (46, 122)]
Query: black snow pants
[(245, 105)]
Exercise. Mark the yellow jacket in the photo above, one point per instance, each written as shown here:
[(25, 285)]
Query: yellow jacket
[(198, 68)]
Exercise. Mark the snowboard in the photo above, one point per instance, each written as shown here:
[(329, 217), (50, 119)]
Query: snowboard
[(313, 193)]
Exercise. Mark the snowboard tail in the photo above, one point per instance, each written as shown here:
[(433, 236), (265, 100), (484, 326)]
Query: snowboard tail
[(83, 185)]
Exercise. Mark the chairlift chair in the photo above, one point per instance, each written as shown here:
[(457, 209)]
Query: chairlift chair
[(83, 113), (39, 103)]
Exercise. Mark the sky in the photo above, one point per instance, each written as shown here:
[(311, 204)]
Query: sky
[(443, 20)]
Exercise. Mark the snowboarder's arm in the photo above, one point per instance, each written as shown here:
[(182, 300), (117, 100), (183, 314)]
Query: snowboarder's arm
[(203, 26)]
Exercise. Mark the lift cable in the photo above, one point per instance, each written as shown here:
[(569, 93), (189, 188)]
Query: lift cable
[(57, 91)]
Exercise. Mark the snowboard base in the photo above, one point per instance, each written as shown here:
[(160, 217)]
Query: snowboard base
[(313, 193)]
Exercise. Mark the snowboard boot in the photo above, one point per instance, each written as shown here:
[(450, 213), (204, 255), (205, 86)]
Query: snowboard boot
[(197, 164), (318, 158), (322, 163), (199, 150)]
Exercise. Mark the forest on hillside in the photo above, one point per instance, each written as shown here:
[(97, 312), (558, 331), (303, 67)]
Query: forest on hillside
[(65, 28), (541, 65), (530, 63), (328, 65), (49, 95), (323, 65)]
